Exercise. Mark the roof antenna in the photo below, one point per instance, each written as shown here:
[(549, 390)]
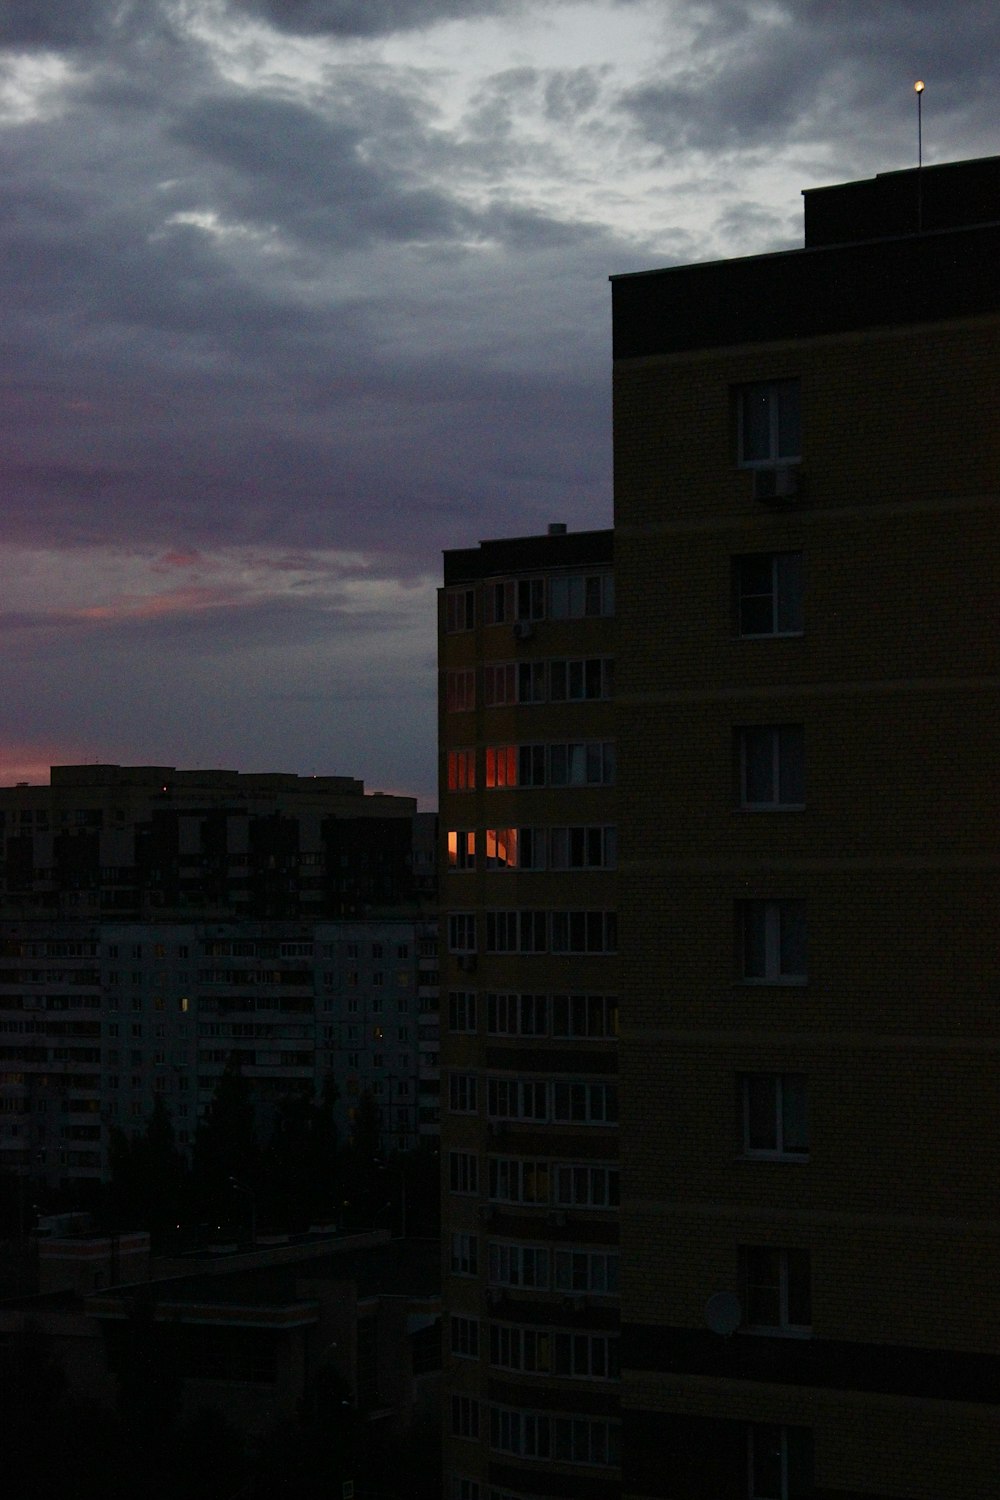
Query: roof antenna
[(918, 89)]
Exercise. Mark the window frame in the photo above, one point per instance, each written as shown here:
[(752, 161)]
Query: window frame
[(792, 1285), (785, 593), (773, 916), (784, 748), (780, 1108), (772, 392)]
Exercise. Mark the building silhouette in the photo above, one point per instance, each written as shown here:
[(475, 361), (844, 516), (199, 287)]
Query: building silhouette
[(807, 459), (529, 1049)]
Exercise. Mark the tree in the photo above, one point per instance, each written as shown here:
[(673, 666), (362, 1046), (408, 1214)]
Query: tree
[(226, 1149)]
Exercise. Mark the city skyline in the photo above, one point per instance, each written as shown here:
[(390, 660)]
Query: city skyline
[(300, 294)]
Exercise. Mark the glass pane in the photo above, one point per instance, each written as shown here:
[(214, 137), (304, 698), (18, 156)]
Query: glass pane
[(793, 939), (791, 759), (765, 1463), (761, 1117), (789, 439), (788, 574), (758, 766), (794, 1113), (799, 1299), (755, 427)]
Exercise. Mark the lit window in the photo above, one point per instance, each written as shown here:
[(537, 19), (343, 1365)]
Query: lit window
[(461, 770), (771, 766), (771, 938), (461, 849), (769, 425), (775, 1122)]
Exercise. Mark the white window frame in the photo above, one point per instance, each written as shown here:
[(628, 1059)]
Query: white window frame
[(750, 1276), (781, 746), (781, 1087), (764, 924), (770, 393), (785, 594)]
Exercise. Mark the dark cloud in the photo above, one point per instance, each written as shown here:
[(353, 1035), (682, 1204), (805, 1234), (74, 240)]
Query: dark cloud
[(761, 77), (367, 18), (70, 24)]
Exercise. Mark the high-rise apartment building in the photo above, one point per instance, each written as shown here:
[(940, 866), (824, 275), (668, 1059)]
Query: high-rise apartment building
[(156, 924), (807, 547), (529, 1018)]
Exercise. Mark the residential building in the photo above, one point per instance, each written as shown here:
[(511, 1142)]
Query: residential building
[(155, 844), (529, 1137), (99, 1020), (807, 537)]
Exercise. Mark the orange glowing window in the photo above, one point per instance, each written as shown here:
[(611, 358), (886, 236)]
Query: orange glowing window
[(501, 765), (461, 849)]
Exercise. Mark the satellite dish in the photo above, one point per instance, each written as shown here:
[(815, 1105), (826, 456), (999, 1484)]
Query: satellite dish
[(724, 1313)]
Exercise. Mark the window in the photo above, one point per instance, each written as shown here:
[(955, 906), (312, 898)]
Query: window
[(584, 932), (776, 1289), (516, 931), (464, 1255), (772, 942), (577, 680), (463, 1172), (501, 766), (769, 425), (513, 682), (517, 1099), (464, 1417), (517, 1015), (584, 1016), (461, 1011), (461, 932), (585, 1356), (459, 610), (771, 766), (775, 1122), (779, 1462), (586, 1187), (464, 1489), (593, 1271), (515, 849), (518, 1266), (464, 1337), (459, 691), (583, 848), (585, 1103), (577, 595), (768, 589), (513, 1179), (461, 849), (462, 1093), (515, 1348), (461, 770), (589, 763)]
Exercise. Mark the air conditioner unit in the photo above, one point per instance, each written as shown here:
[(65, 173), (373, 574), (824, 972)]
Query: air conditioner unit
[(467, 963), (487, 1213), (576, 1304), (493, 1295), (558, 1219), (776, 484), (523, 630)]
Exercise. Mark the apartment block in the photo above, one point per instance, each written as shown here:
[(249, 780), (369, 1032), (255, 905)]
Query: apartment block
[(529, 966), (155, 844), (807, 534), (99, 1021)]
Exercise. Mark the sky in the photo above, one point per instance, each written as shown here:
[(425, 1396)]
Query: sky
[(298, 293)]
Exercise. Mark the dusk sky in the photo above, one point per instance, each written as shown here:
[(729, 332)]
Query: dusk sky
[(297, 293)]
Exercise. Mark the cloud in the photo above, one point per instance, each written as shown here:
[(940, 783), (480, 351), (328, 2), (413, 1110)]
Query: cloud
[(367, 18)]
